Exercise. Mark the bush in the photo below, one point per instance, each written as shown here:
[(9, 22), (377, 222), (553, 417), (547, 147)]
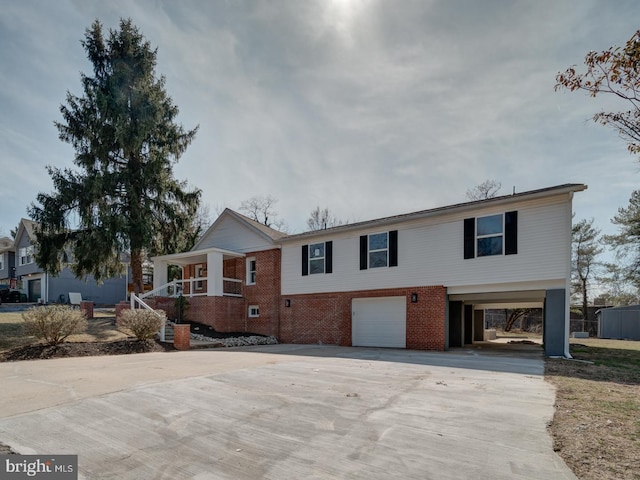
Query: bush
[(53, 323), (142, 324)]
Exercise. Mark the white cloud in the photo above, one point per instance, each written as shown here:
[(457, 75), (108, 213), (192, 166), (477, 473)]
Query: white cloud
[(366, 107)]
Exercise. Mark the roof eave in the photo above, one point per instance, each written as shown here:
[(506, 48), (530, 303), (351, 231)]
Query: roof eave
[(446, 210)]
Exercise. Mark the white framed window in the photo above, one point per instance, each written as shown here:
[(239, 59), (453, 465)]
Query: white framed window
[(378, 250), (489, 235), (1, 261), (26, 255), (199, 271), (254, 311), (316, 258), (251, 271)]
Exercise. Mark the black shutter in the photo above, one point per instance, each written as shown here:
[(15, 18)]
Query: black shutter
[(364, 252), (511, 233), (328, 257), (393, 248), (305, 260), (469, 237)]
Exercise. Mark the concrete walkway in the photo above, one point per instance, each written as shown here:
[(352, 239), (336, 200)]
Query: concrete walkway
[(286, 412)]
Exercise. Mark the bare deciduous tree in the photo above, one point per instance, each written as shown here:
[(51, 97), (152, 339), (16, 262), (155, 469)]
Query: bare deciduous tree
[(261, 209), (320, 219), (487, 189), (615, 72)]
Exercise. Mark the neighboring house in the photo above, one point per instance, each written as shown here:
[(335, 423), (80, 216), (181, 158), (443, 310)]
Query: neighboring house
[(7, 261), (420, 280), (40, 286)]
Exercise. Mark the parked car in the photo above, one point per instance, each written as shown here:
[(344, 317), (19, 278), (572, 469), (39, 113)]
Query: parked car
[(7, 295)]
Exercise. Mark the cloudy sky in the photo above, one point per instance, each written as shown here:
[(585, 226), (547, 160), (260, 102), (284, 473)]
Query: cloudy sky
[(370, 108)]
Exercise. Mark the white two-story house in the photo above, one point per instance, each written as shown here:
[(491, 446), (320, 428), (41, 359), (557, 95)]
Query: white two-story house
[(420, 280)]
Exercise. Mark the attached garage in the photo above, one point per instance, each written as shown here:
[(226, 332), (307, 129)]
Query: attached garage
[(379, 322)]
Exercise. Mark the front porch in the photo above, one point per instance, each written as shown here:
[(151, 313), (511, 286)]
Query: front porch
[(211, 286), (205, 273)]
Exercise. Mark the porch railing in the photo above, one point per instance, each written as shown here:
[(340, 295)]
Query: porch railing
[(195, 287)]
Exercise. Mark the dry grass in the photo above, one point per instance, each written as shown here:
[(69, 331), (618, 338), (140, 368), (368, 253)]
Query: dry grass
[(596, 427), (101, 328)]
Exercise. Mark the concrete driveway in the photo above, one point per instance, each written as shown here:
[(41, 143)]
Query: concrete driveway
[(286, 412)]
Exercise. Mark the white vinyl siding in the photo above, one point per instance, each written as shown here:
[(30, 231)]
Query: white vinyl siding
[(231, 235), (430, 252)]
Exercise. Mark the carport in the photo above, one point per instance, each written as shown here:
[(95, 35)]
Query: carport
[(466, 316)]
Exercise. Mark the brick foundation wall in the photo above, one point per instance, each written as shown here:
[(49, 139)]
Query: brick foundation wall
[(224, 314), (124, 305), (265, 293), (326, 318)]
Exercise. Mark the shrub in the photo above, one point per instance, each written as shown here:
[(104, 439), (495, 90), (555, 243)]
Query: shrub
[(53, 323), (143, 324)]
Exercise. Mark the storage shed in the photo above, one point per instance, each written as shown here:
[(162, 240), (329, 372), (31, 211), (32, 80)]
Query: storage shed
[(621, 323)]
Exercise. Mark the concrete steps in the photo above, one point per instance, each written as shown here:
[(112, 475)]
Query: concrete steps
[(168, 333)]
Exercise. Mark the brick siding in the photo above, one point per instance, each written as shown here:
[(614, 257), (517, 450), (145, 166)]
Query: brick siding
[(326, 318), (315, 318)]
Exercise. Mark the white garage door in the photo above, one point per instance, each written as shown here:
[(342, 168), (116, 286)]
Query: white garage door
[(379, 322)]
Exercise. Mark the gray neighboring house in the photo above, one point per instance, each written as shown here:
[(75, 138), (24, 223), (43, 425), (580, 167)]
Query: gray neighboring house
[(621, 323), (40, 286), (7, 261)]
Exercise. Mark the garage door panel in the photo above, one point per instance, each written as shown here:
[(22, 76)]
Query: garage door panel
[(379, 322)]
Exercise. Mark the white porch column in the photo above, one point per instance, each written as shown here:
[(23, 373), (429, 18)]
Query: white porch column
[(159, 273), (214, 274)]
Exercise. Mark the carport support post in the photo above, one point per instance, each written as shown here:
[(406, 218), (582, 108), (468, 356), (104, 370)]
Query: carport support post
[(554, 328)]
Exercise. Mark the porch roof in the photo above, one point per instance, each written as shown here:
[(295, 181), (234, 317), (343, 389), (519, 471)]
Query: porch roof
[(197, 256)]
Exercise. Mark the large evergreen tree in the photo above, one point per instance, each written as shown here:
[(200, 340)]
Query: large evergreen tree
[(627, 242), (123, 197)]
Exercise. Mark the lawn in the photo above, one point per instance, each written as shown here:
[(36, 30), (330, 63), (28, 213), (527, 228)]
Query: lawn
[(596, 427), (101, 328)]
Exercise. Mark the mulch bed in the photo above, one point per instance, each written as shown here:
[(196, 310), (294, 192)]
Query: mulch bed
[(83, 349), (210, 332), (121, 347)]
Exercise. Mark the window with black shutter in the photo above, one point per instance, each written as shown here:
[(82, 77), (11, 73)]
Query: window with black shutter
[(317, 258), (491, 235), (379, 250)]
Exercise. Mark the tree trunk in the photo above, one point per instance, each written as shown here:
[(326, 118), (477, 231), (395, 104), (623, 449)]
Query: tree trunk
[(136, 271), (515, 315), (585, 309)]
